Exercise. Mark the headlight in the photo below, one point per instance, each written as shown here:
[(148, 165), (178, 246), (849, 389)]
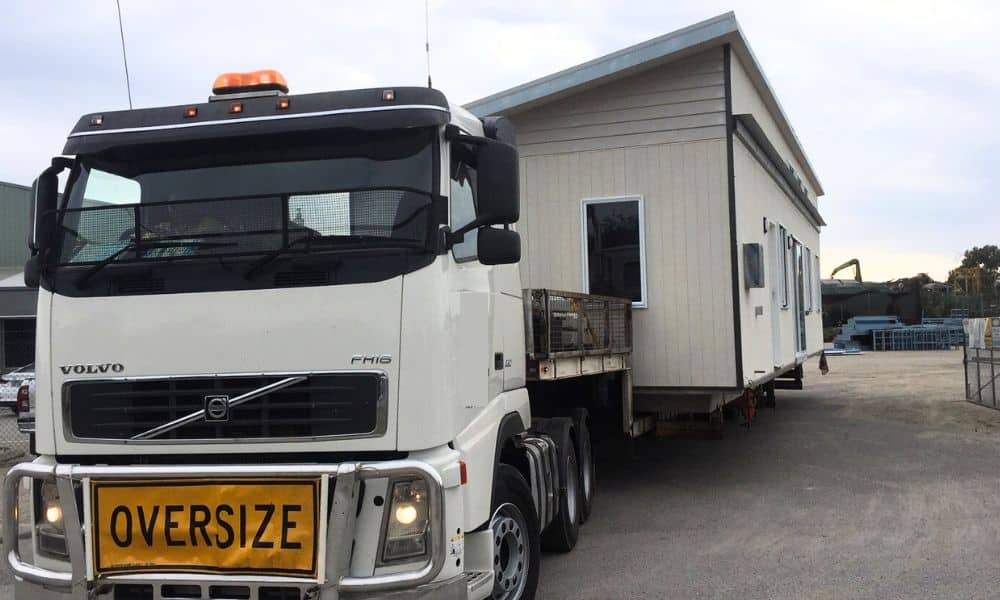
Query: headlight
[(50, 531), (407, 521)]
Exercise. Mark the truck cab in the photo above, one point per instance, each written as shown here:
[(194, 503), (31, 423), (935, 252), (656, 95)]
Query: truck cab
[(281, 354)]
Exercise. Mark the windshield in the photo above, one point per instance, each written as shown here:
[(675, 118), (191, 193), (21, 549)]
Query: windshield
[(376, 193)]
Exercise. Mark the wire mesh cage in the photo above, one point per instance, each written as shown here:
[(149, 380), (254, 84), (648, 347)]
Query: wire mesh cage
[(571, 324)]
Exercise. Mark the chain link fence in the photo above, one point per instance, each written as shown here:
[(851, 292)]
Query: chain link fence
[(13, 443)]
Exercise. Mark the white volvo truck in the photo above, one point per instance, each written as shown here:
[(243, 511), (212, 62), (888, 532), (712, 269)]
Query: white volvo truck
[(284, 354)]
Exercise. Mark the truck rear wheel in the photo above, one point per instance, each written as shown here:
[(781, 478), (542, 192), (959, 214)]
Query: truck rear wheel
[(562, 532), (588, 470), (516, 544)]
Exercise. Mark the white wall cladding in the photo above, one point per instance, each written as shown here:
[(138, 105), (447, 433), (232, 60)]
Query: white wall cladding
[(758, 196), (685, 336), (659, 134), (680, 101), (746, 99)]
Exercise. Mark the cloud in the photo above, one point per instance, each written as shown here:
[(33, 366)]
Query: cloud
[(892, 100)]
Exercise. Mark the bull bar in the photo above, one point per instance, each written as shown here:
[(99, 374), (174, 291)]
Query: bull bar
[(340, 525)]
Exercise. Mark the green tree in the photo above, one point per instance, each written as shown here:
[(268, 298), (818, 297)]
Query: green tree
[(985, 257)]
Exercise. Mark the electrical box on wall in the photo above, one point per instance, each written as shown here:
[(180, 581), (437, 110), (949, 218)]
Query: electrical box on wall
[(753, 265)]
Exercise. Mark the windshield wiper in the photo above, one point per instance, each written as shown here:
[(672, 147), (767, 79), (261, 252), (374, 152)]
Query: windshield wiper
[(352, 241), (150, 245)]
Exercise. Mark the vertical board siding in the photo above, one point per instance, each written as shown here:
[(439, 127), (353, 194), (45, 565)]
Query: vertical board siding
[(677, 102), (659, 134), (758, 196), (685, 336)]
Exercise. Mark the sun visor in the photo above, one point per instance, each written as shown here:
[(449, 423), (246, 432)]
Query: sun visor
[(229, 117)]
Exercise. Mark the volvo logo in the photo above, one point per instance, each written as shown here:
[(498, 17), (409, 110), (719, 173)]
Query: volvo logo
[(92, 369), (216, 408)]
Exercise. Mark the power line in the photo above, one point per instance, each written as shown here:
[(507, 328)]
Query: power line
[(121, 30)]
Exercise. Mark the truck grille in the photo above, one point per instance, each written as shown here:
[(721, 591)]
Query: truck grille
[(332, 404)]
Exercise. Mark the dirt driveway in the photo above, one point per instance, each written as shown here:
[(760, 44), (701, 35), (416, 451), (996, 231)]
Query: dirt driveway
[(876, 481)]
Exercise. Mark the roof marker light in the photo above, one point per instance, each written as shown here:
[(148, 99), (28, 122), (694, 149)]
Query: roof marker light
[(388, 95), (97, 120), (236, 107), (191, 111), (254, 81), (283, 103)]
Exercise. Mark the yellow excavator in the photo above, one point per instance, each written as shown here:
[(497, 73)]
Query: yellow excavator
[(851, 263)]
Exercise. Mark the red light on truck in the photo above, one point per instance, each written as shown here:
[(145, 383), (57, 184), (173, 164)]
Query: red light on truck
[(263, 80), (463, 473)]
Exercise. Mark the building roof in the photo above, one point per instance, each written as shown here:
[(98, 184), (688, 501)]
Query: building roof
[(701, 36)]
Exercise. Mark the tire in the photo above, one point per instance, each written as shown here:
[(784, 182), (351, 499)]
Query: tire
[(516, 541), (563, 531), (588, 469)]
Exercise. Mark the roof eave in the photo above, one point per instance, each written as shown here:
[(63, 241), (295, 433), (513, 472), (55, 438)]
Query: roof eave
[(712, 32)]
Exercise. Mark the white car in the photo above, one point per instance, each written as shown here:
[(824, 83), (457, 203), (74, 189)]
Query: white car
[(11, 382)]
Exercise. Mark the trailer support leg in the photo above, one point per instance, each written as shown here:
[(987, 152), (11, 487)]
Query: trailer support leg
[(770, 401)]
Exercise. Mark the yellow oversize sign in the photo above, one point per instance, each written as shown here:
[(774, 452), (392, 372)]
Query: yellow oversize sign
[(266, 526)]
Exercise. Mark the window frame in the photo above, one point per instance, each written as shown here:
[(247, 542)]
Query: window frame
[(585, 267), (817, 285), (807, 277), (783, 239)]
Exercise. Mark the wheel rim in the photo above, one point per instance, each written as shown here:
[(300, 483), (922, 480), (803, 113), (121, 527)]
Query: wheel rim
[(511, 552), (572, 490), (587, 469)]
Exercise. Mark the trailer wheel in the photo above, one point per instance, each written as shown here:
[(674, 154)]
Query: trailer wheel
[(516, 544), (588, 469), (562, 532)]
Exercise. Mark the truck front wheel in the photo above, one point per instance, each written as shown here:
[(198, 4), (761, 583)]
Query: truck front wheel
[(516, 539)]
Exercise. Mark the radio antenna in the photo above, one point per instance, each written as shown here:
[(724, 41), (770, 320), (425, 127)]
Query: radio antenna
[(427, 38), (121, 30)]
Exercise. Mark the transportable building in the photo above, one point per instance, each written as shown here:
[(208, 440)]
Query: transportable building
[(668, 173)]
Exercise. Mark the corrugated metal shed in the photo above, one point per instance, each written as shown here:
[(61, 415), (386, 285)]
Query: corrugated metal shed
[(15, 204)]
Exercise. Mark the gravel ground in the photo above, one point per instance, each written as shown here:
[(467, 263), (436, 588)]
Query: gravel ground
[(876, 481)]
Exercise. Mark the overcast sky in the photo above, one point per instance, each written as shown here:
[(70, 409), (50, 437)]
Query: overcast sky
[(895, 103)]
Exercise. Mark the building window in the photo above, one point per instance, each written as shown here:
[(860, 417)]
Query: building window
[(783, 257), (18, 339), (614, 248), (817, 285), (807, 280), (463, 209)]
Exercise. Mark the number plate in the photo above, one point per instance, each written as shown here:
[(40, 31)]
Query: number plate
[(263, 526)]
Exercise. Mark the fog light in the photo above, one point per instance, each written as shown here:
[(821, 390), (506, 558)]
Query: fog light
[(53, 514), (406, 514), (50, 532), (407, 523)]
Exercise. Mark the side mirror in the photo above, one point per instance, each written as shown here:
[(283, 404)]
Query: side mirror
[(44, 200), (32, 272), (497, 198), (498, 246)]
